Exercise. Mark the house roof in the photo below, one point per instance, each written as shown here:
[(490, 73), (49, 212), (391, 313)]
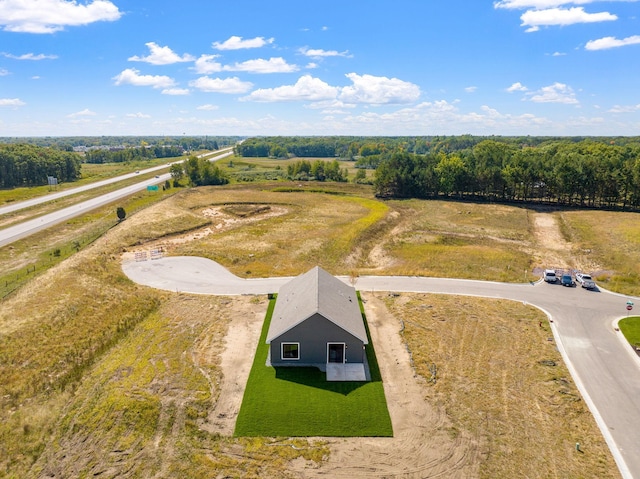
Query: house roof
[(317, 291)]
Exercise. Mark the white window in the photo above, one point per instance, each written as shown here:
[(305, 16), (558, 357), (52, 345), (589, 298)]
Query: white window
[(290, 351)]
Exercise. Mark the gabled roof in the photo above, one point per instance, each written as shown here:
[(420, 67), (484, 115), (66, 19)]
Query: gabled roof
[(316, 291)]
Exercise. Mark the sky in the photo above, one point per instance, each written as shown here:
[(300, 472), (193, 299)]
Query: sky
[(348, 67)]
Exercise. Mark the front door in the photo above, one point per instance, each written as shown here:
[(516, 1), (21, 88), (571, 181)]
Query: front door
[(335, 352)]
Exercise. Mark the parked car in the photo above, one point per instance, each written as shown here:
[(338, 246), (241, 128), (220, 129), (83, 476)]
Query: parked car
[(585, 280), (567, 280), (550, 276)]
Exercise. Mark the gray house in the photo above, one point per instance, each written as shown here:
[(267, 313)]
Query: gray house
[(317, 322)]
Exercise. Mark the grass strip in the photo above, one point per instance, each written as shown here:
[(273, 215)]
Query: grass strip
[(630, 327), (300, 402)]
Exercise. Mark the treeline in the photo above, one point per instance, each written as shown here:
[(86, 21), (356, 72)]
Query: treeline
[(29, 165), (318, 170), (129, 154), (363, 149), (68, 143), (584, 173)]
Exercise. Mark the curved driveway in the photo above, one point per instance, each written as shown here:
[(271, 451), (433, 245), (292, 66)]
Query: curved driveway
[(605, 369)]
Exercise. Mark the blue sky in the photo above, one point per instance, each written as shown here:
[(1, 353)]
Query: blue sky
[(349, 67)]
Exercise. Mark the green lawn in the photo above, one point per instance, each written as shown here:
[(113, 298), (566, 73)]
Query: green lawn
[(300, 402), (630, 327)]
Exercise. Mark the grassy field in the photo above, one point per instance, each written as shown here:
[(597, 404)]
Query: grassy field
[(34, 255), (630, 327), (299, 402), (354, 232), (259, 169), (73, 397), (611, 242), (500, 378)]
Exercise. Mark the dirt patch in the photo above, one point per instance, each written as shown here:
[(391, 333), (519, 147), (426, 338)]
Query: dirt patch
[(552, 250), (245, 211), (222, 220), (424, 442), (242, 335)]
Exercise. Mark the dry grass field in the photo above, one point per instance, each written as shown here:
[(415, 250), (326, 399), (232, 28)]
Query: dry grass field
[(105, 378)]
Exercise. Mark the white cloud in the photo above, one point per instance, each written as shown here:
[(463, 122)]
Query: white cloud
[(132, 76), (206, 64), (517, 86), (175, 91), (558, 54), (272, 65), (378, 90), (534, 19), (611, 42), (365, 89), (138, 115), (4, 72), (219, 85), (161, 56), (85, 112), (318, 53), (11, 102), (30, 56), (542, 4), (443, 117), (207, 107), (471, 89), (333, 105), (556, 93), (624, 108), (237, 43), (49, 16), (307, 88)]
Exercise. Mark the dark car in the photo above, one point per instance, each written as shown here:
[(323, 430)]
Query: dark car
[(567, 280)]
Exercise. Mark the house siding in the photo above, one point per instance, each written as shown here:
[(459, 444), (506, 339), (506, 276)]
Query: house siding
[(313, 334)]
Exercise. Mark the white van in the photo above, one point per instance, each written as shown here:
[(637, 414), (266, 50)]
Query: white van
[(550, 276)]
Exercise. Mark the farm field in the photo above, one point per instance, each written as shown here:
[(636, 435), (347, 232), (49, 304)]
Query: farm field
[(111, 378)]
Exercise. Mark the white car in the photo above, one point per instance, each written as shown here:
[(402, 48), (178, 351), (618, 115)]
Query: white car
[(585, 280), (550, 276)]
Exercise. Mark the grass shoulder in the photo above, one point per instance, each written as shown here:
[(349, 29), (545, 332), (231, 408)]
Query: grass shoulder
[(630, 328)]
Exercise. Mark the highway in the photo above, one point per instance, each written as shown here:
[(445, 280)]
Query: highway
[(29, 227), (602, 364)]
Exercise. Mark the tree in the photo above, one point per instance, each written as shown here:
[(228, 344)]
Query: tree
[(451, 171), (177, 171), (122, 214)]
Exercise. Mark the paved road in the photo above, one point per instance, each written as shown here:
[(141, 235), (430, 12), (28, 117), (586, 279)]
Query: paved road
[(604, 367), (29, 227), (72, 191)]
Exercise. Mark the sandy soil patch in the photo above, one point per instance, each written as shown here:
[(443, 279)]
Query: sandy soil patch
[(242, 335), (221, 221), (552, 250)]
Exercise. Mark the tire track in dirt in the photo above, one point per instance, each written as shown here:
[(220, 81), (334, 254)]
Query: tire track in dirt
[(424, 444)]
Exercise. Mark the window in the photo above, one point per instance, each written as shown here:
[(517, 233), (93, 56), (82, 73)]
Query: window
[(290, 350)]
